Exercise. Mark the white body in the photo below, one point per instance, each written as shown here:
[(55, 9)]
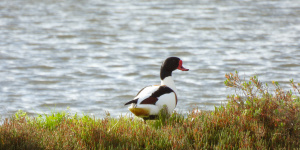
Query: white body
[(168, 99)]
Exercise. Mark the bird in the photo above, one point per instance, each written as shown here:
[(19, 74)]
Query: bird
[(151, 99)]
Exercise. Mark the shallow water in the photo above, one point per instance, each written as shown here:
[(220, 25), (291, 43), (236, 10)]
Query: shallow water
[(93, 56)]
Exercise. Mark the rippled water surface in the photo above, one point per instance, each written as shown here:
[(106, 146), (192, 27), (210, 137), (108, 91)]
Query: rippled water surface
[(93, 56)]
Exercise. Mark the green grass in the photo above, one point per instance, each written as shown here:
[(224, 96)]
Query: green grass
[(257, 118)]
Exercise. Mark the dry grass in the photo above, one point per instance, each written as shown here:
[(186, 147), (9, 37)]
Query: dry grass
[(255, 119)]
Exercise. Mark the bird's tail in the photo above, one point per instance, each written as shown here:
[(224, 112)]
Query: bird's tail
[(132, 101)]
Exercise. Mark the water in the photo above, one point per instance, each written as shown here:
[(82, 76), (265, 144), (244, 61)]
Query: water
[(93, 56)]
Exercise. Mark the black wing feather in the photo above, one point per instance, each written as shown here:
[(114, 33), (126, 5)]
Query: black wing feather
[(155, 95), (132, 101)]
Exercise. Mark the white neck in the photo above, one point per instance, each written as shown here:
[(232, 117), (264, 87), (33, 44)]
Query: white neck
[(168, 81)]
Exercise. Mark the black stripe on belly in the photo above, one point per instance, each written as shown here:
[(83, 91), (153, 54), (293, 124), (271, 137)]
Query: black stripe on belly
[(155, 95), (151, 117)]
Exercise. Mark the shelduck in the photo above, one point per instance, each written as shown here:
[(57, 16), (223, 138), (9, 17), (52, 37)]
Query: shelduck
[(151, 99)]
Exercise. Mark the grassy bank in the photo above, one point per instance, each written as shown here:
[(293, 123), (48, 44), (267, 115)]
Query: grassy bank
[(256, 118)]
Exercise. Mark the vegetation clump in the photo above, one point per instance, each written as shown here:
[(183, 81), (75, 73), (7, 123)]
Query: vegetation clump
[(255, 118)]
